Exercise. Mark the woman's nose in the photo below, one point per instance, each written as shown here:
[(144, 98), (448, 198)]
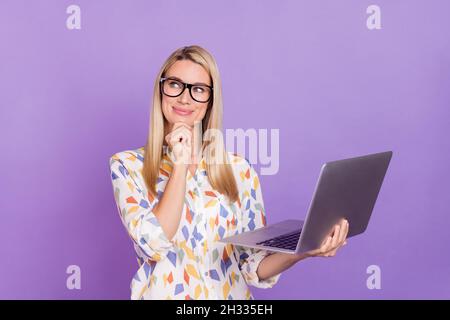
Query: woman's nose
[(185, 96)]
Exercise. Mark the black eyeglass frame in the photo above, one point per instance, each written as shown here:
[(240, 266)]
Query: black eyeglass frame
[(185, 85)]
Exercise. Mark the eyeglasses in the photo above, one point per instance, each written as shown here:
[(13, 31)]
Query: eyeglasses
[(173, 88)]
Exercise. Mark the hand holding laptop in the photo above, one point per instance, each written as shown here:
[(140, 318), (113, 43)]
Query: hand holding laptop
[(336, 239), (346, 190)]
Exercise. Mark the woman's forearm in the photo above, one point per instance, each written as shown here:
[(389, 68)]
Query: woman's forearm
[(169, 208), (276, 263)]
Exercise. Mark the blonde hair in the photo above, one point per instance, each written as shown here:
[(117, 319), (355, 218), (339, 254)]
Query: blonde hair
[(219, 171)]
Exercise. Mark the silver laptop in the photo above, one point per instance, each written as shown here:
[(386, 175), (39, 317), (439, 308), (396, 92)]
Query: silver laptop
[(346, 188)]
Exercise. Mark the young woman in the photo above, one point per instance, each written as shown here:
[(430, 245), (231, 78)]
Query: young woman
[(176, 201)]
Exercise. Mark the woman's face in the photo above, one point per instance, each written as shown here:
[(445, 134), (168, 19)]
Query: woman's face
[(183, 108)]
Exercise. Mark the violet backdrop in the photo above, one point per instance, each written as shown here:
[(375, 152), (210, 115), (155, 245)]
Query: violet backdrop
[(312, 69)]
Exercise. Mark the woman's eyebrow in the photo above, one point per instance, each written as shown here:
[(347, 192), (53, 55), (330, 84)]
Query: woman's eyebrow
[(198, 83)]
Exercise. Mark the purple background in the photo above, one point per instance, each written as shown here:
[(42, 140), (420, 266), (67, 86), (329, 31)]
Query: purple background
[(72, 98)]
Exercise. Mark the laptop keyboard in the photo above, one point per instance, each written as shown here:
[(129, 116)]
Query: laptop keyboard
[(286, 241)]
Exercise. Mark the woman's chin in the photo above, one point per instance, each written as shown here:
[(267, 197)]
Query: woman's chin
[(185, 120)]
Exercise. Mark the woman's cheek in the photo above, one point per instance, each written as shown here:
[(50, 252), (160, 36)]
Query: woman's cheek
[(168, 112), (200, 114)]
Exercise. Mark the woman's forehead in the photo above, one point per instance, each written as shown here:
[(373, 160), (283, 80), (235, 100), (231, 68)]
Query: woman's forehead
[(188, 71)]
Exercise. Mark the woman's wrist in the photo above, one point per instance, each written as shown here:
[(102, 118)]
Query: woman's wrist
[(300, 256), (179, 170)]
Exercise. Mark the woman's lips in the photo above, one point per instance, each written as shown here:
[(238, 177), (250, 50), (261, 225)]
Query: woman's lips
[(181, 112)]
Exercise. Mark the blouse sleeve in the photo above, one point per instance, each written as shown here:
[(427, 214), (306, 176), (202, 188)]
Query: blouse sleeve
[(254, 217), (135, 210)]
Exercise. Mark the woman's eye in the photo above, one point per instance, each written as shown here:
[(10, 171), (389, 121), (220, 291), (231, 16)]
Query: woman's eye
[(199, 89), (174, 84)]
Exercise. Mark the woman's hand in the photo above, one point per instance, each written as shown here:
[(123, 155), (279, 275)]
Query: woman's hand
[(180, 141), (332, 243), (278, 262)]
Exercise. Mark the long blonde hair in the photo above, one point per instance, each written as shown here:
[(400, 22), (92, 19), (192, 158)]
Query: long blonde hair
[(219, 171)]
